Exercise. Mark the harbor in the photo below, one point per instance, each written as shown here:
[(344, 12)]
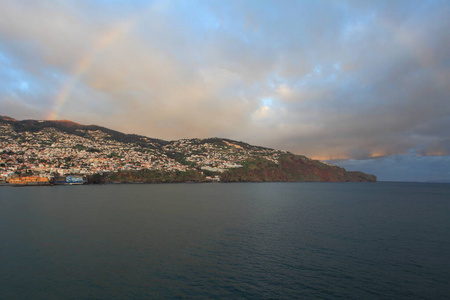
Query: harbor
[(43, 181)]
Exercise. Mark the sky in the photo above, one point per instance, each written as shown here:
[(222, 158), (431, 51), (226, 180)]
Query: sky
[(361, 84)]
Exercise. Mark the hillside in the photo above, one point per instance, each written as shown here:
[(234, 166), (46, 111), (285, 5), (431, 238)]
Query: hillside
[(105, 155)]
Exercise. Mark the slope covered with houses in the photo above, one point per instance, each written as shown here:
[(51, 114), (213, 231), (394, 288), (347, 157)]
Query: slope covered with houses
[(61, 148)]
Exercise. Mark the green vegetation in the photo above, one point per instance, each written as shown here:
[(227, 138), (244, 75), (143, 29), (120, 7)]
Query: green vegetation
[(153, 176), (79, 147), (114, 154), (180, 157), (291, 168)]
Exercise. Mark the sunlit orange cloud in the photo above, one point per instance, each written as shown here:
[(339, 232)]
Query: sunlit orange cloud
[(329, 157), (336, 156), (436, 153), (378, 154)]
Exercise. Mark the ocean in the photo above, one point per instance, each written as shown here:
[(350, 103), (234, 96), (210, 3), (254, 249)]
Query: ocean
[(226, 241)]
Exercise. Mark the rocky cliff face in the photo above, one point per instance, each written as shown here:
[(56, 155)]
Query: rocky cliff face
[(294, 168)]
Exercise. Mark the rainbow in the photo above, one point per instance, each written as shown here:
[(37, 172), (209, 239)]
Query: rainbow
[(83, 65), (104, 41)]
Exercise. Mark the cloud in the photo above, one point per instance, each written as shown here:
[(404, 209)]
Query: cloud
[(346, 79)]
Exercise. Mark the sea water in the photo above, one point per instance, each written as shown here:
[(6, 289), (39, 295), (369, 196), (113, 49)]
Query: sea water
[(226, 241)]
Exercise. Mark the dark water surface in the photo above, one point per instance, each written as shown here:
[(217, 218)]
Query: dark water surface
[(229, 241)]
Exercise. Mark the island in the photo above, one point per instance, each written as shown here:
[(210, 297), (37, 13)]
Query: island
[(58, 150)]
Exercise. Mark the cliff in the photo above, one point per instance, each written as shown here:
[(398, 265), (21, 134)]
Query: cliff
[(293, 168)]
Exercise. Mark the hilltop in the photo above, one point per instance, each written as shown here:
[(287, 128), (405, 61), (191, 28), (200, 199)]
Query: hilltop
[(104, 155)]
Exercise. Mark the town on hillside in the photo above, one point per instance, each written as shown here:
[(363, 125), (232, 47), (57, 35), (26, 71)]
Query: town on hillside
[(54, 154)]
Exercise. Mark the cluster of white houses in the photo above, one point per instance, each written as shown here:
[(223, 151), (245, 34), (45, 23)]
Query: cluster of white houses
[(51, 153)]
